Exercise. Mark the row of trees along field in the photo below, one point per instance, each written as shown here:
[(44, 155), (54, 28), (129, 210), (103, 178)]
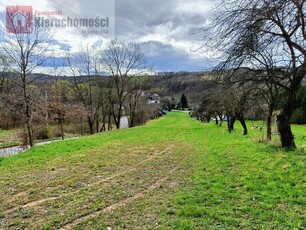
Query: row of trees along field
[(262, 45), (28, 99)]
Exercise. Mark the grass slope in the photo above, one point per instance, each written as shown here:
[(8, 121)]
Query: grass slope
[(174, 173)]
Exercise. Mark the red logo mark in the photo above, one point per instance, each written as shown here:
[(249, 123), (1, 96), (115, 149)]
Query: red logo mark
[(19, 19)]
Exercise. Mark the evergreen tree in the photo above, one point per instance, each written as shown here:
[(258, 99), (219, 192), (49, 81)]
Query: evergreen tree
[(184, 101)]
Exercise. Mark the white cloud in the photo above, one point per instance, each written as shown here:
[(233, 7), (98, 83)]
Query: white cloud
[(194, 7), (165, 27)]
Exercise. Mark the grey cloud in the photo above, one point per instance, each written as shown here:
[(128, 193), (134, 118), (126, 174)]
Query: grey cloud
[(137, 18), (141, 17), (164, 57), (91, 8), (134, 18)]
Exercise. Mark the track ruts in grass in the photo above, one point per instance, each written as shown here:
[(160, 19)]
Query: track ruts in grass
[(90, 215), (39, 202)]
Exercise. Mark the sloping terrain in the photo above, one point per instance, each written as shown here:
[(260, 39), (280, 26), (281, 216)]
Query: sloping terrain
[(174, 173)]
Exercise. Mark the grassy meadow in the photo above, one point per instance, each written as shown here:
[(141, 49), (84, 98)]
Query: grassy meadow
[(9, 138), (174, 173)]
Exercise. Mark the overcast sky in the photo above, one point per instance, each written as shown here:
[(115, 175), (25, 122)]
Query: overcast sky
[(166, 29)]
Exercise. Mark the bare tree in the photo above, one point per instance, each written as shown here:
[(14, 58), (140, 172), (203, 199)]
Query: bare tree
[(25, 51), (239, 99), (5, 92), (58, 92), (122, 61), (84, 67), (212, 104), (243, 27), (106, 109), (136, 105), (270, 80)]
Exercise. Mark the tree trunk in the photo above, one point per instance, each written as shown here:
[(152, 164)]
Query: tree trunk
[(217, 121), (30, 133), (62, 127), (283, 119), (269, 124), (103, 128), (132, 120), (97, 123), (109, 121), (90, 125), (242, 122), (29, 123), (284, 129), (28, 113), (230, 123), (118, 117), (117, 121), (132, 115)]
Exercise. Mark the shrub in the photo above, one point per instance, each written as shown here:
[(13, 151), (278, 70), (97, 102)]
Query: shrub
[(43, 133)]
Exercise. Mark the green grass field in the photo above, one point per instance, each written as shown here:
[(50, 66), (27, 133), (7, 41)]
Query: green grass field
[(174, 173), (9, 138)]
